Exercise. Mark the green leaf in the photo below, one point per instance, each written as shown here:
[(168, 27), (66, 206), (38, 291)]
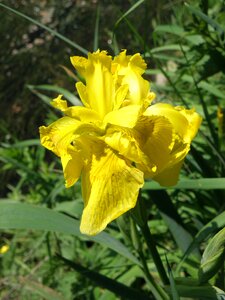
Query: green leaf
[(47, 100), (190, 184), (179, 31), (211, 227), (174, 29), (131, 9), (206, 19), (107, 283), (53, 32), (205, 292), (212, 89), (171, 217), (59, 90), (25, 216), (189, 287), (173, 47), (174, 292), (213, 257), (26, 143)]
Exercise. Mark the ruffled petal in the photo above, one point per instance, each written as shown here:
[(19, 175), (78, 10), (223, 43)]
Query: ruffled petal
[(59, 103), (59, 135), (80, 63), (127, 142), (185, 122), (99, 92), (110, 186), (184, 125), (128, 70)]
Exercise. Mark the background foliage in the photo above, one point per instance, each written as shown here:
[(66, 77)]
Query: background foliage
[(183, 45)]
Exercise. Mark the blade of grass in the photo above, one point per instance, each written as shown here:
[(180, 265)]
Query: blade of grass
[(53, 32)]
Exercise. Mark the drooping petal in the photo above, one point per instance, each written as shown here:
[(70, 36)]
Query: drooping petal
[(185, 122), (170, 175), (157, 139), (110, 186)]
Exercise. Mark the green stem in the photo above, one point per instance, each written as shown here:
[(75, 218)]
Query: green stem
[(154, 252)]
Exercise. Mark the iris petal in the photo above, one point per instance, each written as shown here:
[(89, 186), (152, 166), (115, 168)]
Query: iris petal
[(129, 70), (59, 135), (126, 116), (72, 164), (99, 91), (170, 175), (110, 186), (157, 139), (185, 122)]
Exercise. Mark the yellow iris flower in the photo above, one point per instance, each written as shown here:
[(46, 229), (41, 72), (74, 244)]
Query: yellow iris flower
[(117, 138)]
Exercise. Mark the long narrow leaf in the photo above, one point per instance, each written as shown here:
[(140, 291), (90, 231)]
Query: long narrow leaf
[(190, 184), (25, 216), (206, 19), (214, 225), (96, 34), (53, 32), (59, 90), (105, 282), (133, 7)]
